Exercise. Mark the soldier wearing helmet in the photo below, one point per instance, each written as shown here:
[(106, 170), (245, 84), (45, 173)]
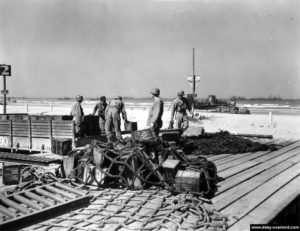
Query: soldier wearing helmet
[(78, 115), (113, 119), (179, 107), (100, 107), (156, 112)]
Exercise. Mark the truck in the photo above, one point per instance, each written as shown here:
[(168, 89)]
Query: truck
[(45, 133)]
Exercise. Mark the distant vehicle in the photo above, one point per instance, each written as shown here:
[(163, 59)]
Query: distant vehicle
[(215, 105), (211, 103)]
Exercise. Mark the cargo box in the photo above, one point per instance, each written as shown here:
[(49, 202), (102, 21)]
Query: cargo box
[(130, 126), (61, 146), (144, 135), (91, 125), (171, 167), (12, 173), (171, 136), (187, 181)]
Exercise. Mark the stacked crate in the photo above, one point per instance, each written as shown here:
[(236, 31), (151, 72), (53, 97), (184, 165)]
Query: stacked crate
[(187, 181)]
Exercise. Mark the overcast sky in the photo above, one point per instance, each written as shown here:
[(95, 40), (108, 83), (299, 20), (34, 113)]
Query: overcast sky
[(63, 48)]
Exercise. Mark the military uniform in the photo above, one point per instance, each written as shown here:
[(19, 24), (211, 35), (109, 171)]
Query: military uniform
[(179, 107), (78, 115), (100, 107), (156, 112), (113, 119)]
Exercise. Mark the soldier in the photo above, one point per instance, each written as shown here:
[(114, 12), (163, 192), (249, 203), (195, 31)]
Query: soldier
[(113, 119), (156, 111), (78, 116), (100, 107), (179, 107)]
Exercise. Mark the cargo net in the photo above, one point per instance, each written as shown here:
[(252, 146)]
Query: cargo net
[(221, 142), (116, 209), (139, 167)]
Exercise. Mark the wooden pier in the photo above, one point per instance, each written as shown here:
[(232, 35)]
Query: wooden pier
[(257, 186)]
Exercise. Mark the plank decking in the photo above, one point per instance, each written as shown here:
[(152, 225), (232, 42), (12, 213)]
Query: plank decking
[(257, 186)]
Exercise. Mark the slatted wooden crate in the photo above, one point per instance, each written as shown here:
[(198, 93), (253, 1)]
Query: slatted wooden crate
[(187, 181)]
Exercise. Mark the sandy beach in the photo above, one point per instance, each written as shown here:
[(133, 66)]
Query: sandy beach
[(284, 126)]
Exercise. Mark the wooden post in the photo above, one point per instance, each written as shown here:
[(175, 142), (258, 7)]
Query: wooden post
[(73, 135), (30, 134), (4, 94), (11, 135), (270, 118)]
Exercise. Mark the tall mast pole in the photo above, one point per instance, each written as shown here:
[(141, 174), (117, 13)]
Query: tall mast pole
[(194, 77)]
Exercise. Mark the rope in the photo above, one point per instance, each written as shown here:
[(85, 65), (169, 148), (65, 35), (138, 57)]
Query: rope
[(140, 210)]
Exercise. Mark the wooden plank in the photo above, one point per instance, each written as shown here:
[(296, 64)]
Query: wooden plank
[(62, 134), (270, 208), (219, 156), (226, 158), (242, 176), (43, 132), (62, 130), (62, 123), (239, 168), (231, 157), (241, 160), (240, 208), (225, 199)]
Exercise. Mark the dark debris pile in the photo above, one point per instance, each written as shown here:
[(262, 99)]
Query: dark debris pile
[(222, 142)]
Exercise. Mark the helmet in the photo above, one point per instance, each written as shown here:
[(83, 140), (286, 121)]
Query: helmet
[(180, 93), (119, 97), (103, 98), (155, 91), (79, 97)]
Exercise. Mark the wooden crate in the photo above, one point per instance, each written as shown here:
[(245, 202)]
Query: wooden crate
[(144, 135), (61, 146), (171, 136), (187, 181), (171, 167), (91, 125), (130, 126), (12, 173)]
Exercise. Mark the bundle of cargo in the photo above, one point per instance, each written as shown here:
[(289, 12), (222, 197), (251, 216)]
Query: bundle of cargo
[(142, 165)]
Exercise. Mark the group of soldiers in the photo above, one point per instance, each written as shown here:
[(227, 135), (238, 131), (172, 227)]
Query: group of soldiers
[(109, 114)]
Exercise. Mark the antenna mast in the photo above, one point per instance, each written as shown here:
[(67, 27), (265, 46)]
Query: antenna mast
[(194, 77)]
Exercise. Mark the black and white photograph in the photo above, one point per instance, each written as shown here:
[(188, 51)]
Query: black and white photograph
[(149, 115)]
